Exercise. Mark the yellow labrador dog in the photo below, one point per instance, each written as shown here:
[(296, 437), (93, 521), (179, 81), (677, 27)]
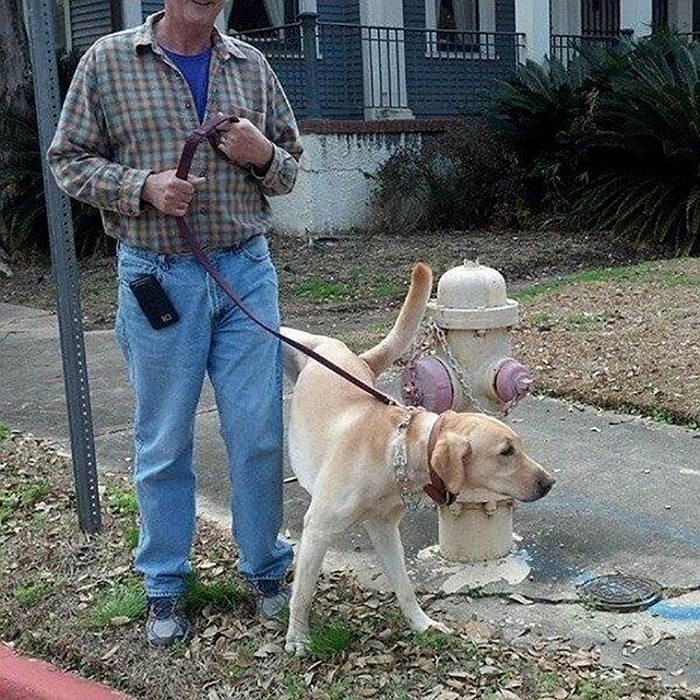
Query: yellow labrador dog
[(341, 446)]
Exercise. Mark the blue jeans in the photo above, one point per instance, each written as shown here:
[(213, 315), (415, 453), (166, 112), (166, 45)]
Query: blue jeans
[(167, 368)]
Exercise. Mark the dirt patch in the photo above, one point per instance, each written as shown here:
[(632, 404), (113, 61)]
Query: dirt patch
[(625, 340), (628, 338), (354, 274), (74, 600)]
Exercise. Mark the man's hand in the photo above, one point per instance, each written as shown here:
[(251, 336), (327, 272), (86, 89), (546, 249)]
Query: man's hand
[(168, 193), (243, 143)]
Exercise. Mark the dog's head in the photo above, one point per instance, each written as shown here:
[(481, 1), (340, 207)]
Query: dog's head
[(474, 451)]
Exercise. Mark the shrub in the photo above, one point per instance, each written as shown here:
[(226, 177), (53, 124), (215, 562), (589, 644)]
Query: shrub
[(642, 148), (23, 223), (541, 113), (463, 180)]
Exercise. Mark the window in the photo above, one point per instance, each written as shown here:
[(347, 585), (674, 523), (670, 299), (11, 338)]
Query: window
[(659, 14), (258, 21), (459, 22), (600, 17), (247, 15)]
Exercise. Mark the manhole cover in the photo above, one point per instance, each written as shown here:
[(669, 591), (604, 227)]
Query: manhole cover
[(620, 593)]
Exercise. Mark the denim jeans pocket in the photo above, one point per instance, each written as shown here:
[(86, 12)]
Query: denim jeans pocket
[(130, 267), (256, 249)]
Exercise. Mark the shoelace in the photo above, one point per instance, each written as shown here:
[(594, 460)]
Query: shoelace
[(162, 607)]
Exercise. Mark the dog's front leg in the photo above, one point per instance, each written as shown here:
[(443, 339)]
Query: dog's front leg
[(312, 548), (387, 542)]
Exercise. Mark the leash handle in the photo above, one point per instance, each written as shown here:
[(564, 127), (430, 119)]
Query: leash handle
[(193, 140), (195, 137)]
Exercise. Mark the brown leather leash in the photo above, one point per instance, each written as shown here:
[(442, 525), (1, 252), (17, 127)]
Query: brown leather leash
[(195, 137), (436, 490)]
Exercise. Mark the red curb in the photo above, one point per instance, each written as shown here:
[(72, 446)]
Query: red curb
[(28, 679)]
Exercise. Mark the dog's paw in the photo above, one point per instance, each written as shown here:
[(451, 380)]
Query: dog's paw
[(438, 627), (427, 624), (298, 647)]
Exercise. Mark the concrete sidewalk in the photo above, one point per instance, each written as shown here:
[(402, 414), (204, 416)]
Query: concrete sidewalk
[(627, 500)]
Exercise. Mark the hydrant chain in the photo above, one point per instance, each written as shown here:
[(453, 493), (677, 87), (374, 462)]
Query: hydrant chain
[(456, 367)]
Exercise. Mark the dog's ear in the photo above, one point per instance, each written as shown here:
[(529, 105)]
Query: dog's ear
[(450, 460)]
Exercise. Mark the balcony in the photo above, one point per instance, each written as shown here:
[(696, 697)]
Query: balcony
[(350, 71)]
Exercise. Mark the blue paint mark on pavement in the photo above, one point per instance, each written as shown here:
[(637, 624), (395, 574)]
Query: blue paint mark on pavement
[(686, 613)]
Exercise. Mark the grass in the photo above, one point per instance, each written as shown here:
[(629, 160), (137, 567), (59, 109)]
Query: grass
[(31, 494), (320, 290), (549, 681), (542, 321), (438, 641), (32, 593), (125, 600), (221, 594), (131, 537), (585, 320), (121, 500), (4, 431), (602, 690), (330, 639), (382, 287), (657, 414), (294, 687), (236, 669), (636, 273)]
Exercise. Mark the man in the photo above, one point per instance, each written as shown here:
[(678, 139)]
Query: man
[(134, 98)]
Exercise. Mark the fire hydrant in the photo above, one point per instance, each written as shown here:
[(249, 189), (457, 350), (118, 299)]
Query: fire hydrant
[(471, 371)]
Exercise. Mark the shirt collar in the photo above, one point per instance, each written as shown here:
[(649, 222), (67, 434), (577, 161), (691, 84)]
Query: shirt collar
[(145, 36)]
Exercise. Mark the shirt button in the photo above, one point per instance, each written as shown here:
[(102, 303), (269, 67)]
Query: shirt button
[(188, 105), (203, 210), (202, 173)]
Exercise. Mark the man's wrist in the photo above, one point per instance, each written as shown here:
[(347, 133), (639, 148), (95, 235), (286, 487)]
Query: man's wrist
[(146, 189), (261, 170)]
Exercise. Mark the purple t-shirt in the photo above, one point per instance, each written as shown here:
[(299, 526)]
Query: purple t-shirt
[(196, 71)]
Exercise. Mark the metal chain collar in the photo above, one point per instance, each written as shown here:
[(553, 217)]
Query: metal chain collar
[(413, 499)]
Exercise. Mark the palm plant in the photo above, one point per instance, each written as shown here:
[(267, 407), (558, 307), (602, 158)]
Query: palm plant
[(641, 148), (537, 112)]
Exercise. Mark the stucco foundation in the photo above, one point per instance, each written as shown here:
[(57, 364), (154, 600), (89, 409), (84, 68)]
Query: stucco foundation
[(338, 172)]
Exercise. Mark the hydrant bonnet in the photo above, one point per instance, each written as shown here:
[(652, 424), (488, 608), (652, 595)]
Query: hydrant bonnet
[(473, 296)]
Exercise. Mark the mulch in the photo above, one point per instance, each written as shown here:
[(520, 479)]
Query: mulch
[(233, 655)]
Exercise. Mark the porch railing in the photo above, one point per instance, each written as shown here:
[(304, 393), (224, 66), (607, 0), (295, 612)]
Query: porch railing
[(566, 46), (338, 70)]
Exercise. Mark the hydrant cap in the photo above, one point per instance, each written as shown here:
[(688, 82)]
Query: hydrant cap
[(474, 296)]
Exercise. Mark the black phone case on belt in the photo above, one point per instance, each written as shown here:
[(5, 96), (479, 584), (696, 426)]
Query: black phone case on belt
[(154, 302)]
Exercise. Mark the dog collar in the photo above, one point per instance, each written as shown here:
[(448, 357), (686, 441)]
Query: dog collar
[(436, 489)]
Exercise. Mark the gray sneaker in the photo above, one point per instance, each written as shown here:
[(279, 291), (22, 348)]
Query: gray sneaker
[(272, 598), (167, 621)]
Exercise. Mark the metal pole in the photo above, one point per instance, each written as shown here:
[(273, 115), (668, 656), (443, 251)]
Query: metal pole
[(40, 30)]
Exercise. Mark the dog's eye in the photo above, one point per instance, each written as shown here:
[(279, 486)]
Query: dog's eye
[(507, 451)]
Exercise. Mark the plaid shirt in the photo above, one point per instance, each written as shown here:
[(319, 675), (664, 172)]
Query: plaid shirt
[(126, 115)]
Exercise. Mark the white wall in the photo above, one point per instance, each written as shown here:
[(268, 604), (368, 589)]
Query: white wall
[(335, 181)]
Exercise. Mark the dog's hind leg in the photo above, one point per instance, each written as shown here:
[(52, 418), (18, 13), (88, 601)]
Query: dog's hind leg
[(387, 542)]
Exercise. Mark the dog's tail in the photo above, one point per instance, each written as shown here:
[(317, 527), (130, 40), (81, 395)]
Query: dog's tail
[(399, 339)]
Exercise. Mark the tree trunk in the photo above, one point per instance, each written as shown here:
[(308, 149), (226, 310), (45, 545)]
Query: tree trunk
[(15, 76)]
